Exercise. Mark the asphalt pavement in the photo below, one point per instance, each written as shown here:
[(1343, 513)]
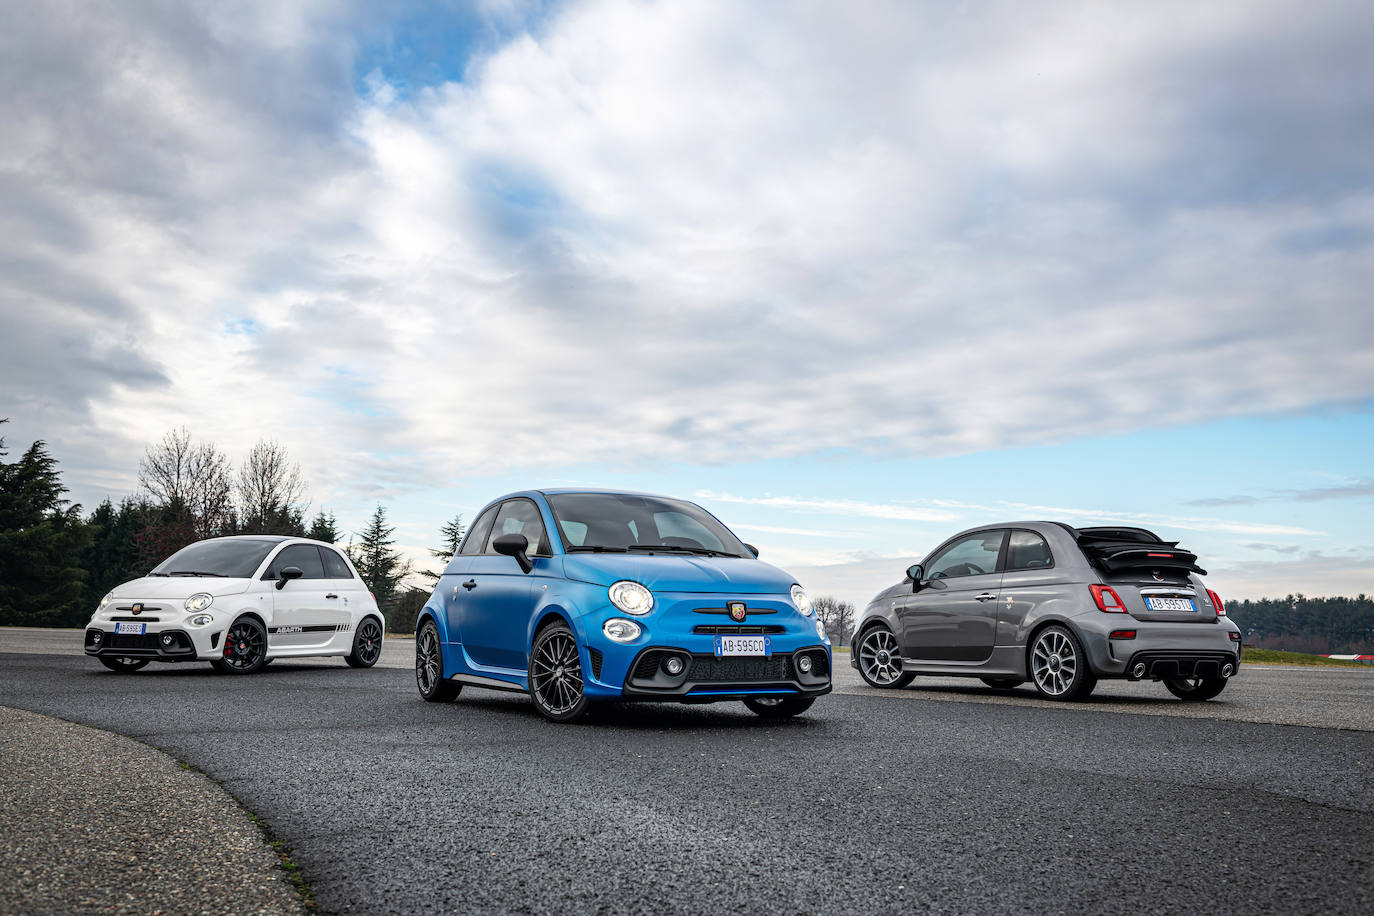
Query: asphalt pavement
[(925, 799)]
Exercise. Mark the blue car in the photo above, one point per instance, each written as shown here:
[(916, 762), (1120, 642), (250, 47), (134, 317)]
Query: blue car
[(580, 596)]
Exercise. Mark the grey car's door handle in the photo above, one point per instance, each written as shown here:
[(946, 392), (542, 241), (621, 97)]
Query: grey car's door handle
[(470, 584), (986, 596)]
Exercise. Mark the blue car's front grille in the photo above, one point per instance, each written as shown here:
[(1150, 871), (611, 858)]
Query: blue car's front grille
[(708, 669)]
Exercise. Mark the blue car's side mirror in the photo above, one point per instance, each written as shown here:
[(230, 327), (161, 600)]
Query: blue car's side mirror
[(754, 550), (517, 546)]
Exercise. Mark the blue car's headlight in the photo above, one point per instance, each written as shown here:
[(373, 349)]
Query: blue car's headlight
[(800, 599), (820, 630), (632, 598), (618, 629)]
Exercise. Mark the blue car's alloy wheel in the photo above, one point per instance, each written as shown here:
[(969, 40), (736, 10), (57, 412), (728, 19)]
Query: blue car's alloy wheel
[(429, 666), (555, 675)]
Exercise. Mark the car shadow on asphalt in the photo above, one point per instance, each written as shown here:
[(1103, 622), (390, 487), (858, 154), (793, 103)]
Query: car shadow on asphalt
[(646, 716)]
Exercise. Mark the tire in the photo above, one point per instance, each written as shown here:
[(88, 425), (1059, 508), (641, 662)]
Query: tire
[(779, 707), (245, 648), (122, 665), (429, 666), (1195, 688), (1059, 667), (880, 660), (367, 644), (555, 675), (1002, 683)]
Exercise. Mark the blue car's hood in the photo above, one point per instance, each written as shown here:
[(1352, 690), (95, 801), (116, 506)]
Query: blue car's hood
[(731, 575)]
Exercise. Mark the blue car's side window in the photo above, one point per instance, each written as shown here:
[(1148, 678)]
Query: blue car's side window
[(521, 516), (476, 540)]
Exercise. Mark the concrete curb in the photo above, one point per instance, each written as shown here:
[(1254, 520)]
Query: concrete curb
[(93, 822)]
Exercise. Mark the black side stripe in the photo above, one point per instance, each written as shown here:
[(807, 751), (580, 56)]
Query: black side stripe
[(320, 628)]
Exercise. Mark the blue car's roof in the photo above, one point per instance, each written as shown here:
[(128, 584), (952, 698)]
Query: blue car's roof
[(557, 491)]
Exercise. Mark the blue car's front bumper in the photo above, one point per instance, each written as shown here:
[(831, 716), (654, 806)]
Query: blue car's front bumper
[(684, 627)]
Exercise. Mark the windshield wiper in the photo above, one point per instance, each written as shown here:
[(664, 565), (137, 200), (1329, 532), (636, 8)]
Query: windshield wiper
[(678, 548), (594, 548), (162, 575), (185, 572)]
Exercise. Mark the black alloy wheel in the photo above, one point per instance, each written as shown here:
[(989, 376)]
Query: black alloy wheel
[(1059, 666), (245, 648), (555, 675), (429, 666), (367, 644), (779, 707), (880, 659), (1195, 688), (1002, 683), (123, 665)]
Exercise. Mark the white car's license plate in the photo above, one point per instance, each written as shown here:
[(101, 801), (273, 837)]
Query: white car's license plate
[(1171, 604), (743, 645), (137, 629)]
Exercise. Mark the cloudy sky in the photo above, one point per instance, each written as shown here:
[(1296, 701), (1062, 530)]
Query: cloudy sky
[(853, 276)]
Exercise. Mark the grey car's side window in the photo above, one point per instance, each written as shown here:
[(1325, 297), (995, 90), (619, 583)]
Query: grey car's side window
[(477, 534), (968, 556), (1028, 550), (520, 516)]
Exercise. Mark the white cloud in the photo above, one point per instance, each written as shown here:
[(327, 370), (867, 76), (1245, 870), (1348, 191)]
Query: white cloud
[(700, 232), (849, 507)]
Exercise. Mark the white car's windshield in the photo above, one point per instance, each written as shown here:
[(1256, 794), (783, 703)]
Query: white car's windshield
[(238, 558), (621, 523)]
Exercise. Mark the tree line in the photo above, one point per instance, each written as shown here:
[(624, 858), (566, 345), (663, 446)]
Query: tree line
[(56, 563)]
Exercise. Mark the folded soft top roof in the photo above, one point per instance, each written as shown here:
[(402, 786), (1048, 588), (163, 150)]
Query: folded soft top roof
[(1118, 550)]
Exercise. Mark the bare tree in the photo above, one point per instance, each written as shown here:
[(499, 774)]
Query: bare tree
[(837, 617), (271, 497), (192, 483)]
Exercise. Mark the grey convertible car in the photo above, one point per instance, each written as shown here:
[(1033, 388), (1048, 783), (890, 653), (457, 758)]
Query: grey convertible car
[(1058, 606)]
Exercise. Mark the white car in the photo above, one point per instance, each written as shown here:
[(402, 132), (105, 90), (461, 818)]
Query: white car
[(238, 603)]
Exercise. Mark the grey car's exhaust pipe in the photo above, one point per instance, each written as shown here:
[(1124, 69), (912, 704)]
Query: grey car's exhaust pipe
[(1227, 670), (1138, 671)]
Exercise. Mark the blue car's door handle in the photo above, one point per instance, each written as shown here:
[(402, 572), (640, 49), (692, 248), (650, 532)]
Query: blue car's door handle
[(986, 596), (470, 584)]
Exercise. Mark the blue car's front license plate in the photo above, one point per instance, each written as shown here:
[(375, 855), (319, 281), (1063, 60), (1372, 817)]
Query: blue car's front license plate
[(743, 645), (134, 629)]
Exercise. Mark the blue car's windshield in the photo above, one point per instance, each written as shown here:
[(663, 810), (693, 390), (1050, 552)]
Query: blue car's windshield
[(620, 523), (228, 558)]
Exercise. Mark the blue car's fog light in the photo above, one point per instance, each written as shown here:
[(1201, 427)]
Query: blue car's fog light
[(620, 630), (673, 666), (804, 664)]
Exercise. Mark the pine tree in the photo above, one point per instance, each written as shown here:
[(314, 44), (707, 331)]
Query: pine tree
[(324, 528), (42, 538), (111, 556), (452, 535), (380, 567)]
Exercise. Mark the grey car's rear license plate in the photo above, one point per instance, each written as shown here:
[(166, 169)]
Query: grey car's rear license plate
[(1171, 604)]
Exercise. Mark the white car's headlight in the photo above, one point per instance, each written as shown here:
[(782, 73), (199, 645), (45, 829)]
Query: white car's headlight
[(802, 602), (632, 598), (617, 629), (199, 601), (106, 600), (200, 620)]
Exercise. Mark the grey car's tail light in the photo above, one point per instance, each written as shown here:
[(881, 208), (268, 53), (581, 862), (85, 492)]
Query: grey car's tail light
[(1217, 603), (1108, 600)]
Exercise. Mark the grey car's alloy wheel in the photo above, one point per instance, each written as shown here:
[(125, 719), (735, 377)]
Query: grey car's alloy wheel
[(779, 707), (429, 666), (880, 659), (555, 675), (245, 648), (367, 644), (123, 665), (1195, 688), (1058, 665)]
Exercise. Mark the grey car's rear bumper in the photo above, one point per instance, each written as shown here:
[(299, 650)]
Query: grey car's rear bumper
[(1165, 649)]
